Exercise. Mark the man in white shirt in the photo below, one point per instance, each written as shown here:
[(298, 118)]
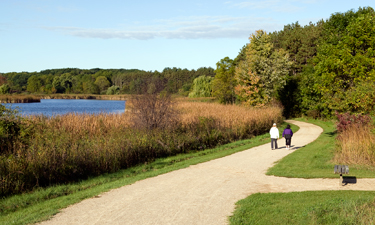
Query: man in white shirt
[(274, 132)]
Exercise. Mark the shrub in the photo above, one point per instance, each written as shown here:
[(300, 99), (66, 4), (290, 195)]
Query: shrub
[(152, 111), (14, 130), (4, 89), (347, 120), (113, 90)]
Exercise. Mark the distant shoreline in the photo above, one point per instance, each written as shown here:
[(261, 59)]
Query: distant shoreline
[(37, 98)]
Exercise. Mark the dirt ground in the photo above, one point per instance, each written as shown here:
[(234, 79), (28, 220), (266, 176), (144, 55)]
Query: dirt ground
[(201, 194)]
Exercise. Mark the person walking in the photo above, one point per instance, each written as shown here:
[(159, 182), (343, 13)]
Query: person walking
[(287, 134), (274, 132)]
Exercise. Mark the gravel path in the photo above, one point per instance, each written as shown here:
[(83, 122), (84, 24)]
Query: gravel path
[(201, 194)]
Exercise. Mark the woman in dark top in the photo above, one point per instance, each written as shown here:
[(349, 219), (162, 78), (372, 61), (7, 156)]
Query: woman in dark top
[(288, 133)]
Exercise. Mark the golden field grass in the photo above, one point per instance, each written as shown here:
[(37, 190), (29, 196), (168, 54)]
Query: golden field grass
[(356, 145), (230, 116), (72, 147)]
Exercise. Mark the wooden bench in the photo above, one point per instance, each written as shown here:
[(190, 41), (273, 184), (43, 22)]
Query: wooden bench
[(341, 169)]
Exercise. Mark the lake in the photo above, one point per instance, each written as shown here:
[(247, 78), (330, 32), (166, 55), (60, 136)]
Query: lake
[(50, 107)]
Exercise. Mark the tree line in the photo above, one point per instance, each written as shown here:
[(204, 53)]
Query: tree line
[(317, 69), (100, 81)]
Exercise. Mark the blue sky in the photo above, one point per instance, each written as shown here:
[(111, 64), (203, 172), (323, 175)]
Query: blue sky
[(149, 35)]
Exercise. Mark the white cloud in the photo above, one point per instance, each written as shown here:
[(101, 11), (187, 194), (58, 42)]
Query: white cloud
[(180, 28)]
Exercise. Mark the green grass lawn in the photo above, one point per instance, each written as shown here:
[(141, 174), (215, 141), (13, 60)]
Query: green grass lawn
[(310, 207), (42, 203)]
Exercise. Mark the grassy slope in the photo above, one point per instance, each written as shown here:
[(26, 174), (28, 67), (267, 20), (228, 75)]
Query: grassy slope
[(43, 203), (315, 159)]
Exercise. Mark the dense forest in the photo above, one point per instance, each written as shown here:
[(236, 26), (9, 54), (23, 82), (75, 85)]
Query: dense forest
[(100, 81), (317, 69)]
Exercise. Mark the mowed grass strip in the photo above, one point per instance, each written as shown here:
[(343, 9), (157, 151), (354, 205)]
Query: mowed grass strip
[(43, 203), (316, 159), (311, 207)]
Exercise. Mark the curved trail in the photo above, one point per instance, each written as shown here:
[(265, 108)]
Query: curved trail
[(201, 194)]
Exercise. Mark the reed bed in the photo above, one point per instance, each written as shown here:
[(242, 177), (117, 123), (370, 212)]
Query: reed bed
[(72, 147), (356, 145), (254, 120), (18, 99), (84, 96)]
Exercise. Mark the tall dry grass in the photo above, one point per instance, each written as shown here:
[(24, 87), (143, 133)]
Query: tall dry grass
[(18, 98), (356, 145), (231, 116), (72, 147)]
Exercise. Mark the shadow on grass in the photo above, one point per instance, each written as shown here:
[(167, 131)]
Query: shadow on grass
[(293, 147), (331, 134)]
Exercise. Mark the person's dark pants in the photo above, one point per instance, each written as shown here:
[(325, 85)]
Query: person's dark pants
[(273, 142), (288, 140)]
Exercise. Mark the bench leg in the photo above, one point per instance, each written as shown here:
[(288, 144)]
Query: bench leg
[(341, 181)]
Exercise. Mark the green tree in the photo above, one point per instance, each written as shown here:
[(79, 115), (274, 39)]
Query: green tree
[(66, 81), (300, 43), (264, 71), (202, 87), (90, 88), (57, 87), (344, 66), (4, 89), (34, 84), (113, 90), (224, 82), (102, 82)]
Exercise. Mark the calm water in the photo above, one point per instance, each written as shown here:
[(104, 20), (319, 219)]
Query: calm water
[(50, 107)]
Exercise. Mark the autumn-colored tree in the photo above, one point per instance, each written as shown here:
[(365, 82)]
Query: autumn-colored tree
[(263, 72), (3, 80)]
